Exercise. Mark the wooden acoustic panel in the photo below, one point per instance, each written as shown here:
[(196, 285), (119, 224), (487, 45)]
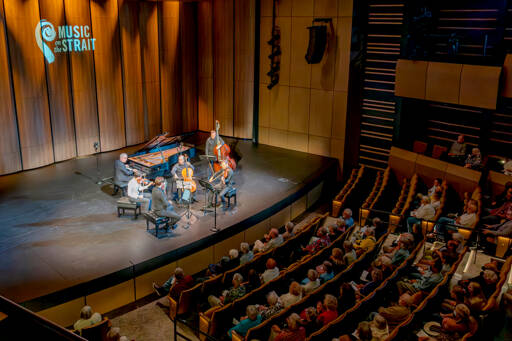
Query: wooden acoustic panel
[(10, 158), (443, 82), (29, 83), (170, 73), (411, 78), (188, 38), (223, 46), (506, 90), (479, 86), (402, 162), (205, 65), (132, 71), (107, 56), (59, 88), (150, 67), (83, 83)]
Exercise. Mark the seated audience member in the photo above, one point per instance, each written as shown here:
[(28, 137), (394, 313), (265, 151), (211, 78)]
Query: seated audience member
[(234, 260), (507, 168), (363, 332), (87, 318), (325, 271), (319, 242), (273, 306), (289, 230), (327, 311), (457, 296), (247, 254), (487, 279), (436, 187), (293, 332), (475, 299), (336, 258), (136, 192), (114, 334), (361, 232), (425, 282), (425, 212), (350, 254), (400, 255), (253, 281), (253, 319), (435, 200), (271, 272), (379, 327), (456, 324), (474, 160), (501, 198), (175, 284), (308, 321), (467, 219), (347, 217), (396, 314), (492, 232), (339, 227), (311, 282), (347, 298), (457, 151), (367, 242), (497, 214), (376, 275), (293, 296), (273, 239), (228, 296)]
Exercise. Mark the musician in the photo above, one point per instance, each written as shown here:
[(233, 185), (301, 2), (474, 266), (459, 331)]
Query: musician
[(123, 173), (209, 148), (136, 192), (222, 181), (176, 172), (161, 206)]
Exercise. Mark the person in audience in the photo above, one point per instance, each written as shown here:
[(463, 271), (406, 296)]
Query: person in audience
[(367, 242), (467, 219), (327, 311), (457, 151), (87, 318), (492, 232), (228, 296), (376, 275), (379, 327), (457, 296), (333, 232), (347, 298), (293, 332), (501, 198), (425, 212), (253, 319), (336, 258), (273, 239), (350, 255), (311, 282), (487, 279), (289, 230), (339, 227), (308, 321), (273, 307), (499, 213), (361, 233), (177, 283), (253, 280), (233, 261), (247, 254), (271, 272), (316, 244), (425, 282), (114, 334), (400, 255), (475, 299), (293, 296), (474, 160), (456, 324), (507, 168), (136, 192), (396, 314), (326, 272), (436, 200), (347, 217), (436, 187)]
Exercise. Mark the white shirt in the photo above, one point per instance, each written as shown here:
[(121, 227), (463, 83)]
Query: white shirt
[(436, 204), (467, 219), (134, 189), (426, 212), (270, 274)]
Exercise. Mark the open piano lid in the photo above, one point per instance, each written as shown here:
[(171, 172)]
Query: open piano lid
[(160, 141)]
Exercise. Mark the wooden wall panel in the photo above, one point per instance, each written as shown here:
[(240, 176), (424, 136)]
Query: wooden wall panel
[(132, 71), (443, 82), (150, 67), (107, 55), (188, 38), (205, 65), (169, 15), (83, 83), (411, 78), (223, 26), (59, 88), (29, 83), (245, 22), (10, 159), (479, 86)]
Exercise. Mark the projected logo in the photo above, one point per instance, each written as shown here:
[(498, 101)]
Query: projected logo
[(76, 38)]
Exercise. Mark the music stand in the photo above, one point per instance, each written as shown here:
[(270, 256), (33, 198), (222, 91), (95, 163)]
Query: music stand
[(208, 187)]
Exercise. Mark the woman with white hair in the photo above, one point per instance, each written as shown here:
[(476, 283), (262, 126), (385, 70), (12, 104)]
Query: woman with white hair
[(247, 254), (274, 306), (294, 331), (228, 296), (87, 318), (347, 217)]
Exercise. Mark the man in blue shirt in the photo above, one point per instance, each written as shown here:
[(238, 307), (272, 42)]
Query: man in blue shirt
[(347, 216), (253, 319)]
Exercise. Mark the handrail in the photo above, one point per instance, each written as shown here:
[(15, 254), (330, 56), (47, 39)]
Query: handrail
[(15, 311)]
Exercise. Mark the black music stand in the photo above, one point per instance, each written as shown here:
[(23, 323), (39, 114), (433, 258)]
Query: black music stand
[(208, 187)]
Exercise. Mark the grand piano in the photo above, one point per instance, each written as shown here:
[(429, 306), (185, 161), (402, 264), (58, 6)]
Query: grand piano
[(157, 156)]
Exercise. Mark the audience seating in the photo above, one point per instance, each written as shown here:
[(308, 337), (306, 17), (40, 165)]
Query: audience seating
[(355, 176), (419, 147), (438, 151), (98, 331)]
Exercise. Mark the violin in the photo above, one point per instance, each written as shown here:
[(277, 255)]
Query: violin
[(222, 152), (187, 173)]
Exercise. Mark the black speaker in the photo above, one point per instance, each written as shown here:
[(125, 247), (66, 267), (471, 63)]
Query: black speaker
[(317, 42)]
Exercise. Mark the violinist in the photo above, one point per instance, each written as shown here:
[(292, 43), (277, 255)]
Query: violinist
[(136, 187), (177, 171), (223, 182)]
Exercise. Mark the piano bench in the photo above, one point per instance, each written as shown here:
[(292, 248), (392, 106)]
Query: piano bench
[(157, 221), (231, 194), (124, 204)]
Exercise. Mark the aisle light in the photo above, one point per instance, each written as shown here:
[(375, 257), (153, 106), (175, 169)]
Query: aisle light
[(472, 255)]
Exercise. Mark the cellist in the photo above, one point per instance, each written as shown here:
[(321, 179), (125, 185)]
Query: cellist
[(176, 172), (222, 181)]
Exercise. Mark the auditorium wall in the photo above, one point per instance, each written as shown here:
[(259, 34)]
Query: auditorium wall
[(306, 111), (132, 74)]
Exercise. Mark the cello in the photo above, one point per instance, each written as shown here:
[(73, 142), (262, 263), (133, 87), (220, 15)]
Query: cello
[(222, 152)]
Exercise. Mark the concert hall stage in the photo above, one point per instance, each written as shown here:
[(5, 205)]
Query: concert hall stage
[(61, 239)]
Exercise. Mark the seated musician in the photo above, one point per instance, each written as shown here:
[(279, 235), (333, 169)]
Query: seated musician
[(176, 172), (222, 181), (136, 192), (161, 206), (123, 173)]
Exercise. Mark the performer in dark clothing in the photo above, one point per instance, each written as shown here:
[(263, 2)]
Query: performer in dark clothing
[(160, 205), (123, 173), (209, 149), (222, 181)]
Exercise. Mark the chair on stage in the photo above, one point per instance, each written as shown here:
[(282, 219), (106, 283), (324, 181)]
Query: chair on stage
[(124, 203), (231, 194)]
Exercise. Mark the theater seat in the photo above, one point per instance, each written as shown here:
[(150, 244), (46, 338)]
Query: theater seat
[(98, 331), (438, 151), (419, 147), (502, 246)]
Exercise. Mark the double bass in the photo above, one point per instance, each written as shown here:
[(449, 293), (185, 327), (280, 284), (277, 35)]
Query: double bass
[(222, 152)]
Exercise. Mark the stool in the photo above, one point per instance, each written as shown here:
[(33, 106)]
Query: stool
[(231, 194), (124, 203), (156, 220)]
